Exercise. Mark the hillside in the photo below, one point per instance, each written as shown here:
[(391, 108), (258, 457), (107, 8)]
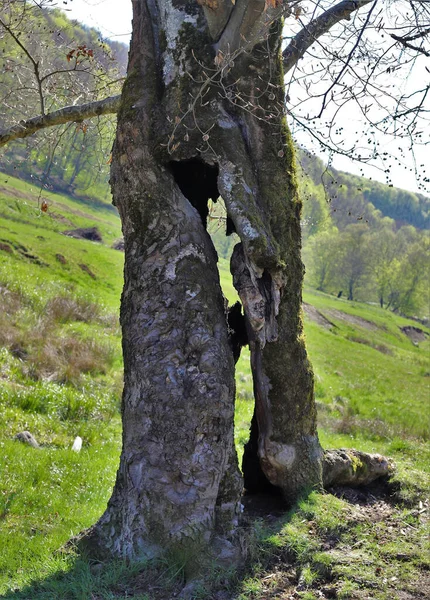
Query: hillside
[(60, 368), (351, 197)]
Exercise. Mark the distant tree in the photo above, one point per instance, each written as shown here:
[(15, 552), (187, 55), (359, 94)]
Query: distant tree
[(385, 251), (316, 215), (354, 263), (322, 256), (409, 283)]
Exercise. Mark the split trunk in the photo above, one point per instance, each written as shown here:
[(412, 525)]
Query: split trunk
[(202, 116)]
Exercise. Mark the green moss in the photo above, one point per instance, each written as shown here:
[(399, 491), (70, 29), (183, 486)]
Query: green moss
[(197, 44), (162, 40), (130, 94), (356, 464)]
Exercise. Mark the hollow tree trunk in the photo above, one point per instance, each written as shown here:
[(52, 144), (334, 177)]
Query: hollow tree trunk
[(202, 114)]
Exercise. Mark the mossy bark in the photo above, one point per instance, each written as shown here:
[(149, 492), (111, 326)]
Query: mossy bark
[(178, 485)]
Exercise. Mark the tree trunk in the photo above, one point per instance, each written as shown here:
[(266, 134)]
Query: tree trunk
[(202, 115)]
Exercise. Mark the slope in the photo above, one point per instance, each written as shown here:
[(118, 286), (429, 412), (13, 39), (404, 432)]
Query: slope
[(60, 370)]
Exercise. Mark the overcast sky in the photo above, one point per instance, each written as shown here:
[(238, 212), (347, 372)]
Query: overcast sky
[(113, 19)]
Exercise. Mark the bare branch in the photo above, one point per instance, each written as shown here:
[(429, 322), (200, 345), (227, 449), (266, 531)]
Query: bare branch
[(34, 62), (405, 41), (64, 115), (316, 28)]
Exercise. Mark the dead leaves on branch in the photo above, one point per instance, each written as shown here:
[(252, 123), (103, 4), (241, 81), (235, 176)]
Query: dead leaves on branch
[(273, 3), (212, 4), (80, 52)]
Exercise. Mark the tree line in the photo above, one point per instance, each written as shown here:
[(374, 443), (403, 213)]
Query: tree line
[(358, 251)]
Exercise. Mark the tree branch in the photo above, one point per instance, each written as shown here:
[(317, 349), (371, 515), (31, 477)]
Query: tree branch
[(63, 115), (316, 28), (242, 20), (405, 41), (34, 62)]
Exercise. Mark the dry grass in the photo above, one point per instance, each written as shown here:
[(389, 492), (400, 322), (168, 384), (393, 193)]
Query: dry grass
[(37, 339), (63, 360), (64, 309)]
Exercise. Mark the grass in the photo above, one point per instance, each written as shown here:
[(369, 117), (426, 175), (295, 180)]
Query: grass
[(60, 373), (362, 386), (330, 547), (35, 243)]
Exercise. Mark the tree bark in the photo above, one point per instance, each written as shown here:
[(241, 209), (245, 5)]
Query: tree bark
[(178, 484), (202, 116), (193, 124)]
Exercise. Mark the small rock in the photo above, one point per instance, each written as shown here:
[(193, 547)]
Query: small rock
[(119, 245), (27, 438), (77, 444), (6, 248)]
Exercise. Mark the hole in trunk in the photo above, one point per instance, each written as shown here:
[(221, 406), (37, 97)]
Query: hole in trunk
[(238, 336), (198, 181), (254, 479)]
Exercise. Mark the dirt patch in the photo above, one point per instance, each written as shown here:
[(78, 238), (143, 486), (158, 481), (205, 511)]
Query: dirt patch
[(6, 248), (80, 213), (23, 251), (61, 219), (314, 315), (86, 269), (415, 334), (16, 194), (85, 233), (267, 506), (61, 259), (119, 245), (338, 314)]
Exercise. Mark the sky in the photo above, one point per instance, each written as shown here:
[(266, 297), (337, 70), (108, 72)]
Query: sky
[(113, 19)]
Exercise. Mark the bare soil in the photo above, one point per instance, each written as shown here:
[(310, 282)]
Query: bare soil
[(415, 334), (317, 317), (338, 314)]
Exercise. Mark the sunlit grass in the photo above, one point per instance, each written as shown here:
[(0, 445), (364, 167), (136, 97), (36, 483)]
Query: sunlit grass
[(369, 398)]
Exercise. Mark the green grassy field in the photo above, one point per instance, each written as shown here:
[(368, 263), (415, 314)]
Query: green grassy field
[(60, 370)]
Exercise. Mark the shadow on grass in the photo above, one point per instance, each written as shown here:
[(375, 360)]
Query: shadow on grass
[(77, 577), (307, 552)]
